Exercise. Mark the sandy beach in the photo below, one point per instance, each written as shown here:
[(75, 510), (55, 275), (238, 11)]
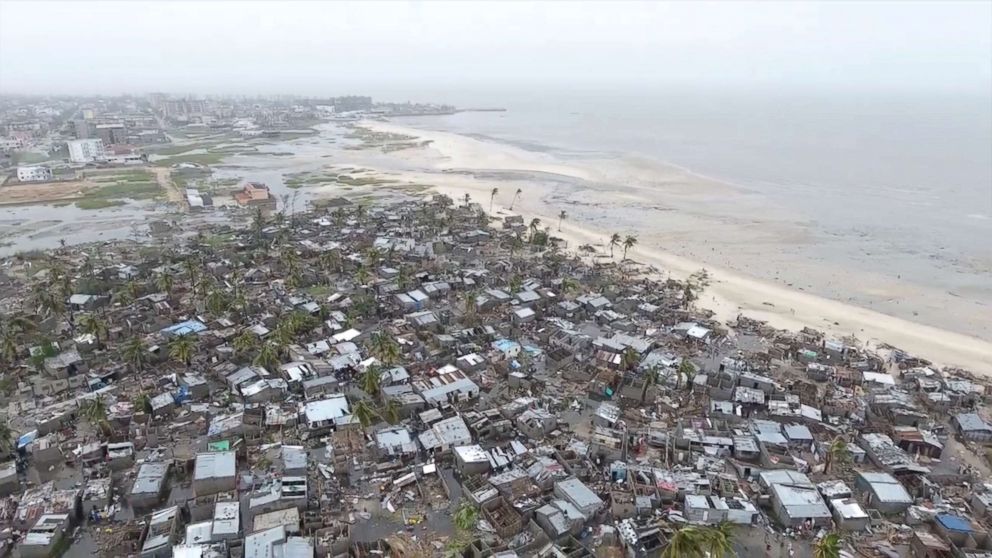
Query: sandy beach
[(460, 165)]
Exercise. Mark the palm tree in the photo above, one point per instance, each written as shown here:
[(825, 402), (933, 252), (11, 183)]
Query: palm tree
[(364, 412), (687, 542), (828, 546), (720, 539), (93, 325), (373, 255), (371, 380), (391, 411), (142, 402), (6, 437), (182, 348), (135, 354), (268, 356), (191, 271), (515, 196), (95, 411), (568, 284), (217, 302), (492, 196), (628, 243), (687, 370), (8, 347), (630, 358), (836, 453), (245, 342), (614, 241), (466, 516), (535, 223), (561, 217), (257, 224), (362, 276), (385, 348), (164, 282)]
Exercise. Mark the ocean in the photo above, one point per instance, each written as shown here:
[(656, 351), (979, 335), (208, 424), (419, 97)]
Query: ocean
[(910, 175)]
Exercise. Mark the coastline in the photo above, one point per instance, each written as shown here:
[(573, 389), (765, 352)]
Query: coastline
[(453, 159)]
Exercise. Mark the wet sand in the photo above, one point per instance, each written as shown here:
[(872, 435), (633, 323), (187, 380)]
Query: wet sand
[(629, 198)]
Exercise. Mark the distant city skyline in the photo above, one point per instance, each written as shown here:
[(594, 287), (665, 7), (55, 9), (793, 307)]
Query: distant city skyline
[(396, 50)]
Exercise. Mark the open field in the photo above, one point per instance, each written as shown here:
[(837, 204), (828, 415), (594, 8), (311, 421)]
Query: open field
[(94, 190)]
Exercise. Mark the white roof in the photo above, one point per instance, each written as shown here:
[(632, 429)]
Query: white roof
[(217, 464), (472, 454), (333, 407)]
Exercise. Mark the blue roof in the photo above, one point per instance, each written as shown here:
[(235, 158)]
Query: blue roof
[(184, 328), (505, 345), (954, 522)]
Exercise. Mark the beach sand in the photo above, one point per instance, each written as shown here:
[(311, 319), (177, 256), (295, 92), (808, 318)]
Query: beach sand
[(604, 198)]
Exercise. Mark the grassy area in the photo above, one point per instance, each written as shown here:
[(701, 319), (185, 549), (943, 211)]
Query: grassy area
[(28, 157), (197, 158), (300, 180), (177, 149), (319, 292), (97, 203)]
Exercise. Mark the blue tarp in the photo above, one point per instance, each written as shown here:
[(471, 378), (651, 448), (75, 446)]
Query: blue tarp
[(26, 439), (954, 523), (184, 328)]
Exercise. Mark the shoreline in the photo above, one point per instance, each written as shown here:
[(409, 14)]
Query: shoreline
[(731, 292)]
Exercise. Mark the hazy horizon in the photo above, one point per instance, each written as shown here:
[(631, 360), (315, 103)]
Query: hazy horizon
[(421, 50)]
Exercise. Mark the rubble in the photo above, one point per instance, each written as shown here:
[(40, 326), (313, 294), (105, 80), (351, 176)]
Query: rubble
[(405, 380)]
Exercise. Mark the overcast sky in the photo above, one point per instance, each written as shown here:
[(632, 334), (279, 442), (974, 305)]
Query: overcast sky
[(375, 47)]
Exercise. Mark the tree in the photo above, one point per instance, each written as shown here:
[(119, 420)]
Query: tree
[(569, 284), (182, 348), (515, 196), (614, 241), (257, 225), (385, 348), (719, 540), (836, 453), (828, 547), (268, 356), (94, 410), (466, 516), (164, 283), (93, 325), (217, 302), (245, 342), (535, 225), (687, 371), (8, 347), (142, 402), (694, 286), (391, 411), (630, 358), (192, 272), (468, 199), (516, 283), (492, 196), (135, 354), (371, 380), (561, 217), (364, 412), (628, 243), (6, 437), (687, 542)]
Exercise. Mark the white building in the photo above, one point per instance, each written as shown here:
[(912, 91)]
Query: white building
[(86, 150), (34, 174)]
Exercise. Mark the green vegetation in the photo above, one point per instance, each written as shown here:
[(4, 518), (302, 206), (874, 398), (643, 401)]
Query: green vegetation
[(196, 158), (302, 179), (97, 203)]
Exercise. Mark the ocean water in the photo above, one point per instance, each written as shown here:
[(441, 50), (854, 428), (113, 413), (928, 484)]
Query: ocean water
[(911, 175)]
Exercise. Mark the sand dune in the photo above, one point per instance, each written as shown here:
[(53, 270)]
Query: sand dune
[(731, 293)]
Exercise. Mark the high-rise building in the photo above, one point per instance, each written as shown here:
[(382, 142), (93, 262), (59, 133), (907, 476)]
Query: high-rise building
[(86, 150)]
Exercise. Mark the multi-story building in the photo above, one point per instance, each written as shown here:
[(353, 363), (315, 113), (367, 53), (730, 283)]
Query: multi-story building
[(34, 174), (86, 150)]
